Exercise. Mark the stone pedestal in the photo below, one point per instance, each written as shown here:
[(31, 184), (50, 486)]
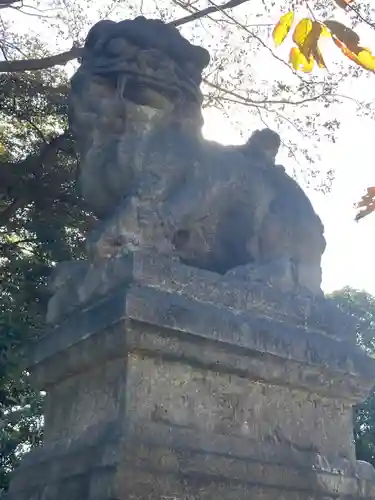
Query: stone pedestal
[(181, 385)]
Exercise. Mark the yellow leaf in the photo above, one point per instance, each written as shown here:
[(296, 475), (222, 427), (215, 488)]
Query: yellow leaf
[(306, 36), (317, 55), (307, 65), (360, 55), (310, 45), (366, 59), (325, 31), (294, 57), (282, 28), (299, 61), (302, 31)]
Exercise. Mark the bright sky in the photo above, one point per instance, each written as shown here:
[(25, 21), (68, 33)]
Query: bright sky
[(350, 255)]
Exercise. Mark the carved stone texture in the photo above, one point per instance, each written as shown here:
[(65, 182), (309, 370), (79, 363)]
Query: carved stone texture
[(78, 283), (156, 184), (175, 386)]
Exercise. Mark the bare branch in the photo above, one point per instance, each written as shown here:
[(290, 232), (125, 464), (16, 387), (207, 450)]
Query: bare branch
[(8, 3), (22, 65), (208, 10), (259, 40), (19, 66), (359, 15), (32, 165), (261, 102), (33, 14)]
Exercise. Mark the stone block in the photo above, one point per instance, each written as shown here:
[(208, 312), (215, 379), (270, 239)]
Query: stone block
[(178, 384)]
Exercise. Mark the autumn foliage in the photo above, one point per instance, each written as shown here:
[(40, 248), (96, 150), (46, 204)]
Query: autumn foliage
[(367, 204), (305, 54), (307, 34)]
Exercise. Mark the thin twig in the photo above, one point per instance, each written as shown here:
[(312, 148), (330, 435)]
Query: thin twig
[(32, 14), (208, 10), (359, 15), (310, 10), (260, 41), (264, 101), (190, 8), (37, 129), (18, 66)]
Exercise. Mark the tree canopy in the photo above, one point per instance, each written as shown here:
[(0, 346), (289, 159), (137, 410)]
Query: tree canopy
[(309, 31), (41, 222), (361, 306), (306, 52)]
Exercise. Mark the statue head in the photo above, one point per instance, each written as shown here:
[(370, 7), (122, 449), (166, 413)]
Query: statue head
[(264, 141), (135, 75), (146, 54)]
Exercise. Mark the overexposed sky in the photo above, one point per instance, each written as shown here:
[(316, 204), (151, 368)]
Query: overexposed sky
[(349, 258)]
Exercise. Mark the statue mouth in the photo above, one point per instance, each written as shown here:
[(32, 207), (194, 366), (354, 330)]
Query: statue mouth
[(144, 57), (144, 76), (153, 89)]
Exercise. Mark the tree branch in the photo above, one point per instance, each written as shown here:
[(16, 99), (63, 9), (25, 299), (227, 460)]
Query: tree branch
[(21, 65), (359, 15), (261, 102), (208, 10), (32, 166), (7, 3)]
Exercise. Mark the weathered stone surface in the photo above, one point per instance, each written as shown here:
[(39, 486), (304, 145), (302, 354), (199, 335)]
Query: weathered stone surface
[(147, 172), (166, 388), (164, 273)]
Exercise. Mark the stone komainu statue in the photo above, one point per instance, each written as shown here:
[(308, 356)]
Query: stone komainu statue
[(156, 184), (169, 381)]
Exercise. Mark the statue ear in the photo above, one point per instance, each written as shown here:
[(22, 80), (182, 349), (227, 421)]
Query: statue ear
[(99, 33)]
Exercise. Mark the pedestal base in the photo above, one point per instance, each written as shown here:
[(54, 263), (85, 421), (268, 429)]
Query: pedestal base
[(157, 392)]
